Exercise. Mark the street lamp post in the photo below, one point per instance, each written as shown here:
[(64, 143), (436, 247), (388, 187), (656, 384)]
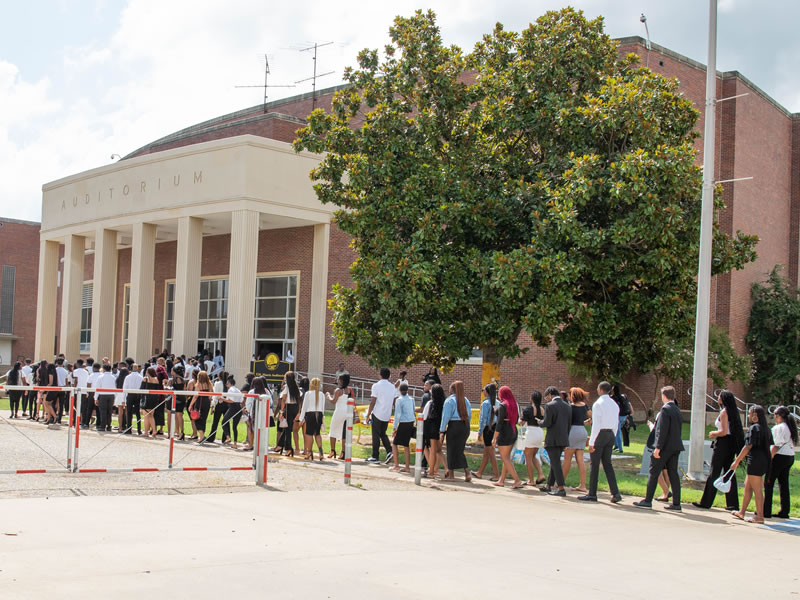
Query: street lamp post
[(700, 374)]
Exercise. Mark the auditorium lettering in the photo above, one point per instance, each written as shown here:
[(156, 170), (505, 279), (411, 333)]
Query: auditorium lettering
[(131, 189)]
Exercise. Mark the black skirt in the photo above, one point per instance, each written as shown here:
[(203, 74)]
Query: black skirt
[(757, 462), (456, 437), (403, 433), (313, 423), (488, 435), (507, 435)]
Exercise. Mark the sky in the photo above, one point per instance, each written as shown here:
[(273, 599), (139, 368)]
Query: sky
[(81, 80)]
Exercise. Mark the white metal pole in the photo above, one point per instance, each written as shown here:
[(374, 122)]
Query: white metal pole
[(418, 457), (348, 441), (700, 374), (77, 431)]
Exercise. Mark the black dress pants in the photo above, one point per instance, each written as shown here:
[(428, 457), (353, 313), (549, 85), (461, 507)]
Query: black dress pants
[(379, 437), (232, 415), (219, 412), (105, 406), (668, 461), (721, 459), (779, 471), (133, 409), (556, 473), (603, 446), (87, 405), (285, 438), (14, 397)]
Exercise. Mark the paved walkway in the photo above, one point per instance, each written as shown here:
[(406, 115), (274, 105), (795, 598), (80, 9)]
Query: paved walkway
[(354, 543)]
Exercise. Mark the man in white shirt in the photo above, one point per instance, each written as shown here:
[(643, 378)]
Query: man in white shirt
[(209, 365), (380, 409), (105, 402), (61, 381), (605, 421), (219, 362), (132, 401), (28, 398), (90, 403)]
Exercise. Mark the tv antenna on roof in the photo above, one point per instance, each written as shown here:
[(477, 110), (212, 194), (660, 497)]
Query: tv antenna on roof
[(313, 78), (266, 84)]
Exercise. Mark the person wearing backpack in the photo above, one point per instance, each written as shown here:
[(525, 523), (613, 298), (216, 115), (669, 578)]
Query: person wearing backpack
[(624, 412)]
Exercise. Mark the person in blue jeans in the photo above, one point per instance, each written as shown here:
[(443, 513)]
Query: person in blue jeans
[(624, 412)]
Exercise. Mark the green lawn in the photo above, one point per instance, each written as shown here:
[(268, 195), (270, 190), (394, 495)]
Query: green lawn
[(627, 468)]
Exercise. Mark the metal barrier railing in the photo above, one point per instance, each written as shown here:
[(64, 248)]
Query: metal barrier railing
[(261, 418)]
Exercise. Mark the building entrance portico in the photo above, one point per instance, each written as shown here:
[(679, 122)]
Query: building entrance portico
[(182, 245)]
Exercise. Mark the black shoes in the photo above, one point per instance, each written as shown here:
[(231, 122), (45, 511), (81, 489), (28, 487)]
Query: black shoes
[(561, 493), (643, 504), (698, 505), (616, 498), (587, 498), (673, 507)]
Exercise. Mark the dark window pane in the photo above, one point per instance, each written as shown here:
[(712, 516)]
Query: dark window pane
[(271, 309), (204, 290), (201, 329), (272, 286), (290, 329), (271, 329), (213, 329), (292, 308), (293, 285)]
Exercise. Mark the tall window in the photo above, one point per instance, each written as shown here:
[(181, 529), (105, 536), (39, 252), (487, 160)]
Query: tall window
[(213, 323), (86, 318), (276, 315), (169, 318), (126, 318), (7, 286)]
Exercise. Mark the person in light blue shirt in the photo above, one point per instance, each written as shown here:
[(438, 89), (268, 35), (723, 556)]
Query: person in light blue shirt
[(456, 415), (486, 428), (404, 421)]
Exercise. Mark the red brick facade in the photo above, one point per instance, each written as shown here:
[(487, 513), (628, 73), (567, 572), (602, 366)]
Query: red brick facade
[(755, 137), (19, 247)]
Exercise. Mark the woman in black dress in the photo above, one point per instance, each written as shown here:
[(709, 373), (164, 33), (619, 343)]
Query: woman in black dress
[(757, 450), (178, 383), (506, 434), (455, 428), (728, 440), (201, 404), (150, 402), (433, 418), (289, 409), (50, 378)]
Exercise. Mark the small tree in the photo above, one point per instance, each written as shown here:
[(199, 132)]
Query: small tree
[(774, 340), (539, 183)]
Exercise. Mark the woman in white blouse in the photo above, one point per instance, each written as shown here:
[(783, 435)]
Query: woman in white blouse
[(311, 415), (784, 435)]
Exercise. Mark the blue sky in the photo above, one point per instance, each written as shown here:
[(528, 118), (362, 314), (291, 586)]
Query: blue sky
[(81, 80)]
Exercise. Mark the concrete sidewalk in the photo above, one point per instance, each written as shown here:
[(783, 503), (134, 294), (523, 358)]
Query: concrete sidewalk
[(357, 543)]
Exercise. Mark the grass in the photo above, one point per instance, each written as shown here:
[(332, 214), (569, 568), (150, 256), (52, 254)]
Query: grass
[(626, 468)]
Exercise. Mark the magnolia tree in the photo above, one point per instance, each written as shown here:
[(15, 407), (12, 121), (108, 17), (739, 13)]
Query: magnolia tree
[(540, 183)]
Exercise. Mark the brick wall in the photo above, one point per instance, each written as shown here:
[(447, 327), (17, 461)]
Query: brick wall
[(19, 247)]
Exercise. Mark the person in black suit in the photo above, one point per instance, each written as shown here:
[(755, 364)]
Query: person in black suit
[(557, 421), (668, 446)]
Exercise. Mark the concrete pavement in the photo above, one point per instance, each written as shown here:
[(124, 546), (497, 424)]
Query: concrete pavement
[(363, 543)]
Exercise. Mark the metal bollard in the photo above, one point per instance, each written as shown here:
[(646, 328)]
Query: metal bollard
[(69, 429), (348, 445), (420, 449), (77, 432)]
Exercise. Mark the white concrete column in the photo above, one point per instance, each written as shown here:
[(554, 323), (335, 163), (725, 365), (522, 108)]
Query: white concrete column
[(104, 294), (319, 300), (241, 292), (46, 301), (187, 285), (140, 321), (71, 292)]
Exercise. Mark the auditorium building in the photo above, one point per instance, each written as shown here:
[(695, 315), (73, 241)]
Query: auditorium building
[(213, 238)]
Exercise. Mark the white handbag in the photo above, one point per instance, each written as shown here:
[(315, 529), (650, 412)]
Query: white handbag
[(722, 485)]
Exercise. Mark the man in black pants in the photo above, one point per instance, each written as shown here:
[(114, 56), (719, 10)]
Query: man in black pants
[(557, 421), (380, 411), (668, 446), (105, 402), (605, 420), (122, 421)]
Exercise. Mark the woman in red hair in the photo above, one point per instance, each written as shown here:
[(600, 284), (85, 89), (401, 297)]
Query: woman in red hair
[(506, 434)]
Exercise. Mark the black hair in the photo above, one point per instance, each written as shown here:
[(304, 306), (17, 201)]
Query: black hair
[(728, 401), (551, 391), (385, 373), (605, 387), (291, 385), (259, 386), (403, 388), (536, 400), (344, 380), (491, 392), (106, 367), (788, 418), (761, 415), (95, 366), (230, 380), (178, 370), (305, 383), (437, 396)]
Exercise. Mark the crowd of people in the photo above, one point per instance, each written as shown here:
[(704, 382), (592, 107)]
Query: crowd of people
[(556, 422), (146, 411)]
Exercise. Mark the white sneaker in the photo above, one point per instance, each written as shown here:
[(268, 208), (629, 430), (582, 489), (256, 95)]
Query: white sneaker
[(372, 460), (389, 458)]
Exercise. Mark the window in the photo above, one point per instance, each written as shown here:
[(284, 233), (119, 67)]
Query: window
[(213, 322), (7, 298), (86, 318), (169, 318), (276, 315), (126, 317)]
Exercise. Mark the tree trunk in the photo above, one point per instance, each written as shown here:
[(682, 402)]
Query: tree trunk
[(656, 397), (491, 366)]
